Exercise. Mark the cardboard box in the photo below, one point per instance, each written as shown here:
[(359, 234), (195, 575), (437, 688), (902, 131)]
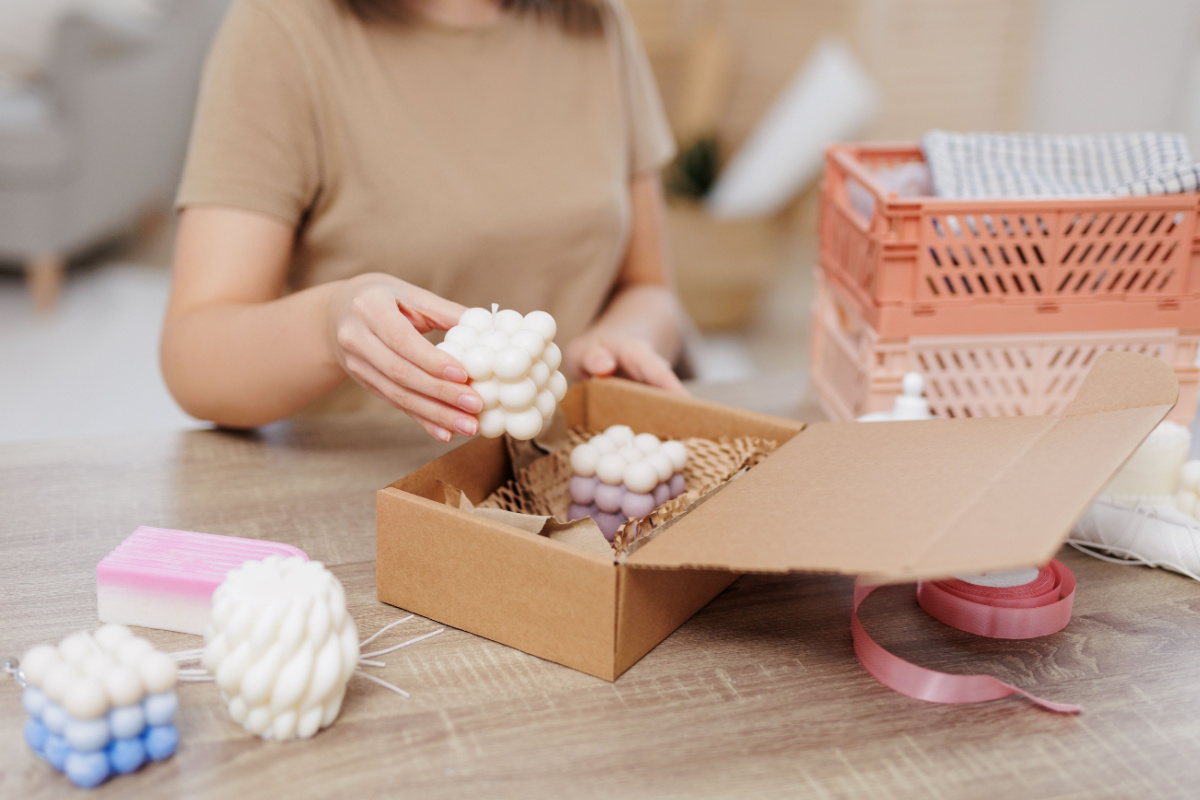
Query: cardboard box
[(894, 501)]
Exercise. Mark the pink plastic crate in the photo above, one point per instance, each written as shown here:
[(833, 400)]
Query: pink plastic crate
[(923, 266), (855, 371)]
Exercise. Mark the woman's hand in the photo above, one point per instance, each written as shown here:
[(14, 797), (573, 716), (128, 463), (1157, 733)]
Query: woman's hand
[(376, 324), (640, 330), (600, 355)]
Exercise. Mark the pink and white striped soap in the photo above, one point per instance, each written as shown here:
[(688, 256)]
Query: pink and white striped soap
[(165, 579)]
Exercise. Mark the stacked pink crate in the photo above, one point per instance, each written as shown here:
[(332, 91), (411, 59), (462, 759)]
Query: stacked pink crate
[(1000, 304)]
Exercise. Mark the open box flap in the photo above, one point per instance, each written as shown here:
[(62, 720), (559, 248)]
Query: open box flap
[(907, 500)]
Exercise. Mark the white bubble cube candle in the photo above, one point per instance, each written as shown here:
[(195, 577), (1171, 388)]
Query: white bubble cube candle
[(620, 476), (1151, 476), (281, 646), (512, 362), (100, 704), (910, 404)]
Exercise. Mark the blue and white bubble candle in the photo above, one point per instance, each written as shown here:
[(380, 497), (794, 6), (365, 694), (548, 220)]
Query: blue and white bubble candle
[(100, 704)]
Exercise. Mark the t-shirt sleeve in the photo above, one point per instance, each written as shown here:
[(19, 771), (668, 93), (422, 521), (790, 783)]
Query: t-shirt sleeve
[(254, 142), (652, 144)]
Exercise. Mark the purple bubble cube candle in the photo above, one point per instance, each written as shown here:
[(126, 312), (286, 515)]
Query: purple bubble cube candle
[(620, 476)]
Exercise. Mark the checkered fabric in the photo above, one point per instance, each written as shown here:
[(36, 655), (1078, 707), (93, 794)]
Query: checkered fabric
[(1038, 165)]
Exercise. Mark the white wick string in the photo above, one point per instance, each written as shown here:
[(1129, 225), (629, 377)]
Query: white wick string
[(382, 631), (382, 683), (198, 676), (402, 644), (12, 666), (1127, 558), (190, 674), (187, 655), (364, 659), (201, 675)]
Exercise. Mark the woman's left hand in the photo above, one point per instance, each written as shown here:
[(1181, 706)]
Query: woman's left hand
[(630, 357), (640, 329)]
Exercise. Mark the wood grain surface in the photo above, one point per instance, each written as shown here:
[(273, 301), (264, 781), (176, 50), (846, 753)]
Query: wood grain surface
[(758, 695)]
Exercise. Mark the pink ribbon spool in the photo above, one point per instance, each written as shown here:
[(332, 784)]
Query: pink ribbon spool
[(1037, 608)]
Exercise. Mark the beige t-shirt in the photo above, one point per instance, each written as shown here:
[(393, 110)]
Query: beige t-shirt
[(488, 164)]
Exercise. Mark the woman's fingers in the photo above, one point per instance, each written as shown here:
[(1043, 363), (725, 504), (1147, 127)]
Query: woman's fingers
[(436, 417), (640, 361), (598, 361), (383, 316), (423, 406), (375, 384), (428, 311), (436, 431), (633, 358), (403, 372), (377, 341)]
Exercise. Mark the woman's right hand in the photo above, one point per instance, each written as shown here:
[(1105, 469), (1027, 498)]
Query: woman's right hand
[(376, 324)]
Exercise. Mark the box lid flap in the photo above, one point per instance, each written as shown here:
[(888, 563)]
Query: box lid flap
[(907, 500)]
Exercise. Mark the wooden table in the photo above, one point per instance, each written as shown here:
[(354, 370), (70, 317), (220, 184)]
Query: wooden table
[(758, 695)]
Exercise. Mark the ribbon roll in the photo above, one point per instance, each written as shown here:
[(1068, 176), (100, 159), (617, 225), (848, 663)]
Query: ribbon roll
[(1037, 608)]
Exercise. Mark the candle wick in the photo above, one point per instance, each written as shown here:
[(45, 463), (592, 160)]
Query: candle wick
[(398, 646), (389, 686), (12, 666), (382, 630)]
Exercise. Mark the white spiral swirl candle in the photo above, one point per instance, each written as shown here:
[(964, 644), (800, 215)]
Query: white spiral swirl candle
[(282, 646)]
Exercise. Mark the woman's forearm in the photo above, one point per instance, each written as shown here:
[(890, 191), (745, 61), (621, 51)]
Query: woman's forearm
[(247, 364), (238, 351), (639, 334)]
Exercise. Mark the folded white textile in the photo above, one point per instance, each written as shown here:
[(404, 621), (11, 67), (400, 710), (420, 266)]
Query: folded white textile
[(1139, 534)]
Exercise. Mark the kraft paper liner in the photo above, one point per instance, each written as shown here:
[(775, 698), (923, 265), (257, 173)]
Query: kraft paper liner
[(540, 489), (576, 534), (1038, 608)]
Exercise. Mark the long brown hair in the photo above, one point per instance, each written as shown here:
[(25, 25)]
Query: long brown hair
[(575, 16)]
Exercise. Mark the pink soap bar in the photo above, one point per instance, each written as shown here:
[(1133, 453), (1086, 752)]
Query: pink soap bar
[(159, 578)]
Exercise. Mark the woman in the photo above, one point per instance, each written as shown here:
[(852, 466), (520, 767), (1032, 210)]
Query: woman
[(362, 170)]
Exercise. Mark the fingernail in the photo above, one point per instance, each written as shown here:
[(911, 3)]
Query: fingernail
[(456, 374), (443, 434), (466, 426), (471, 403), (602, 362)]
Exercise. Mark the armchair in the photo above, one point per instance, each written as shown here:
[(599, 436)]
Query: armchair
[(101, 139)]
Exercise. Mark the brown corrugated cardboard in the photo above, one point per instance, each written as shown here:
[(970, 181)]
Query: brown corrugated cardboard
[(894, 501), (910, 500)]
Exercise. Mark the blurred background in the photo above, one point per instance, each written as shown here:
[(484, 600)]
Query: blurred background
[(96, 97)]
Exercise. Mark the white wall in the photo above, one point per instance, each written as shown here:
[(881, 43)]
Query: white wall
[(1117, 66)]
